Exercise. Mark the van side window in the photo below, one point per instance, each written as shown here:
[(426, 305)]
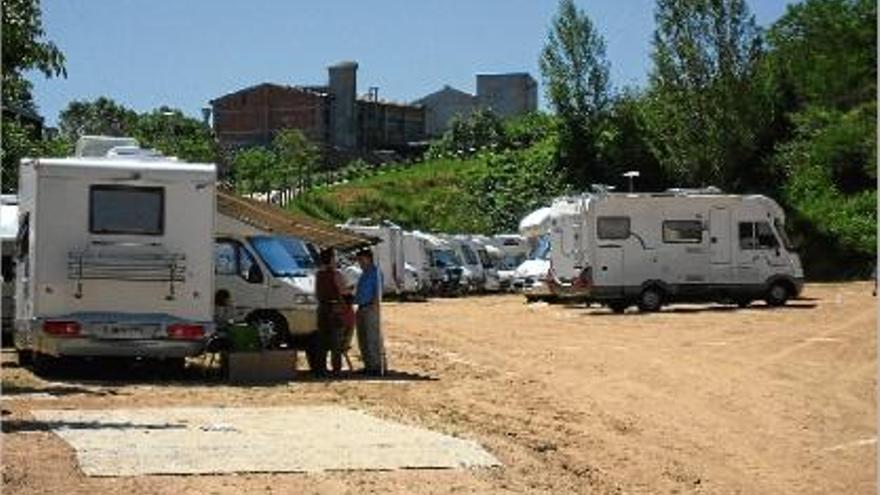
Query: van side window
[(682, 231), (612, 227), (756, 235), (225, 262), (231, 258)]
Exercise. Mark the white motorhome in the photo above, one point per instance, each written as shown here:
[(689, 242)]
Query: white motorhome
[(399, 277), (436, 262), (472, 269), (113, 254), (514, 251), (531, 275), (680, 245), (8, 230), (490, 258), (265, 268)]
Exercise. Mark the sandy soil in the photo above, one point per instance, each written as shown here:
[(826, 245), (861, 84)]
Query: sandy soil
[(696, 399)]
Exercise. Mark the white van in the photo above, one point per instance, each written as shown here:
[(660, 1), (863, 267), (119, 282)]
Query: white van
[(514, 251), (681, 245), (265, 268), (113, 255), (436, 262), (531, 275)]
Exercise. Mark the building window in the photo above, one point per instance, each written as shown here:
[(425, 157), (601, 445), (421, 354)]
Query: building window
[(683, 231), (126, 210), (609, 228), (756, 235)]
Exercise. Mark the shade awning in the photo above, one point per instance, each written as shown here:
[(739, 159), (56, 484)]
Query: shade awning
[(271, 218)]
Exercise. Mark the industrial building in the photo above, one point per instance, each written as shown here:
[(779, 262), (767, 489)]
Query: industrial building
[(507, 95), (332, 115)]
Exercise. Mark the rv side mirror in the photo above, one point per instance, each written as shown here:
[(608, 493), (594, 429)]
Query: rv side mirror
[(254, 275)]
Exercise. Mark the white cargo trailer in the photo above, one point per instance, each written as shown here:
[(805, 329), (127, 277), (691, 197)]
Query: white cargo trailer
[(114, 255), (680, 245)]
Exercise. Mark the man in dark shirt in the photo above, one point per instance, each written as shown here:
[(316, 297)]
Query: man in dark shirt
[(368, 297)]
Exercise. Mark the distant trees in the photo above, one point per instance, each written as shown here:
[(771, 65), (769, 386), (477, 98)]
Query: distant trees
[(288, 166), (575, 74), (703, 107)]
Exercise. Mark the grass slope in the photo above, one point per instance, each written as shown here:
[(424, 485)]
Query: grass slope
[(432, 195)]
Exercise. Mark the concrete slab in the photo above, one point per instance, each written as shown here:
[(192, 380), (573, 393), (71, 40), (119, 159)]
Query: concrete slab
[(213, 440)]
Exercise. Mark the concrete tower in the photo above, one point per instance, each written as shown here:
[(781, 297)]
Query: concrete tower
[(343, 90)]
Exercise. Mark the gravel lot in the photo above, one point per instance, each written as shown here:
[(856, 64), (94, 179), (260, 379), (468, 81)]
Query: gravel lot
[(696, 399)]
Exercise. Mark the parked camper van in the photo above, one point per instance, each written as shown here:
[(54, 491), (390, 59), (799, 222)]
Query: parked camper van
[(269, 279), (681, 245), (490, 257), (436, 262), (8, 230), (399, 278), (113, 254), (514, 251)]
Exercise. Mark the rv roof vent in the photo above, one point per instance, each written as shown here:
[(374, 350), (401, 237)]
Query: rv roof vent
[(131, 151), (705, 190), (95, 146)]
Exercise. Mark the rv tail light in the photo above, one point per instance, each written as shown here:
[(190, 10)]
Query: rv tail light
[(61, 328), (186, 331)]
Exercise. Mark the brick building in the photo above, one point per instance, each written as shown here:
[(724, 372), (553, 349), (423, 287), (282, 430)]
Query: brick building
[(332, 115)]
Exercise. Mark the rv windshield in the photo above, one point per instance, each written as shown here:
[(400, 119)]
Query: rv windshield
[(485, 259), (445, 258), (469, 255), (780, 230), (284, 256), (542, 249)]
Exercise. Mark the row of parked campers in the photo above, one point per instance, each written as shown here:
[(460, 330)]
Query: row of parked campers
[(119, 251), (422, 264), (650, 249)]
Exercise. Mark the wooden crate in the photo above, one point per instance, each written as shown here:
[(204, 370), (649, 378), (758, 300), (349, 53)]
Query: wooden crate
[(262, 366)]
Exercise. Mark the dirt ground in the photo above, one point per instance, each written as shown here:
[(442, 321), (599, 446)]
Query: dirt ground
[(696, 399)]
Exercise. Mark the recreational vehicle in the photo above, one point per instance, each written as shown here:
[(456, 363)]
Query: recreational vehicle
[(399, 278), (514, 251), (680, 245), (113, 254), (436, 262), (531, 275)]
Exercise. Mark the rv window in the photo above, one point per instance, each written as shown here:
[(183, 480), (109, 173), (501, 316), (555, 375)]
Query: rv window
[(225, 259), (683, 231), (23, 238), (469, 257), (756, 235), (126, 210), (780, 229), (247, 266), (485, 259), (284, 256), (612, 227), (8, 268)]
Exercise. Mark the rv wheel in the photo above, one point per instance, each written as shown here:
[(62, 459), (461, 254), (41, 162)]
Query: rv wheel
[(272, 329), (25, 357), (42, 364), (777, 295), (650, 300), (743, 303)]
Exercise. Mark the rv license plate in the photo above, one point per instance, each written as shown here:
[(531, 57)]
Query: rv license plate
[(126, 332)]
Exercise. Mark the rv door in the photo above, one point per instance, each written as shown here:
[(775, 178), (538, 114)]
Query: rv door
[(758, 250), (720, 246)]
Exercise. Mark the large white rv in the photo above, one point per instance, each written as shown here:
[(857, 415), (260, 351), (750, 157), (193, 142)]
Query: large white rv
[(680, 245), (531, 275), (437, 264), (114, 255)]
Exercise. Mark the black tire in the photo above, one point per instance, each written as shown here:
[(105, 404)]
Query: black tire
[(777, 294), (272, 327), (43, 364), (743, 303), (25, 357), (650, 300), (618, 307)]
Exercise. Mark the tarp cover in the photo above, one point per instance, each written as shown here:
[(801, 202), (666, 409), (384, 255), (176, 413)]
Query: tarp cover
[(271, 218)]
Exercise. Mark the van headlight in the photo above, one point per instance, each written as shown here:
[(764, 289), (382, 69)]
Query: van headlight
[(304, 299)]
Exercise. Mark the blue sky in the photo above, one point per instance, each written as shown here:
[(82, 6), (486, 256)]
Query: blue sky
[(149, 53)]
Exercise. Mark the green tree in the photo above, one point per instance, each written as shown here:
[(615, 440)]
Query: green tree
[(575, 74), (25, 48), (255, 170), (174, 134), (704, 109), (103, 116), (824, 53), (298, 159)]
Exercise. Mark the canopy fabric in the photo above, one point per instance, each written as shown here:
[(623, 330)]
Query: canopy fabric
[(271, 218)]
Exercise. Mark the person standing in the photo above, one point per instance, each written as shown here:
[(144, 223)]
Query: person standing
[(367, 297), (331, 292)]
